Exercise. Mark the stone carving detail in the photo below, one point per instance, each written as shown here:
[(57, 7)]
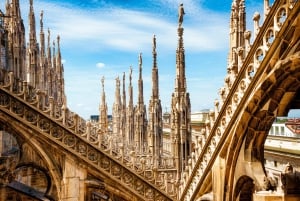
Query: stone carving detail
[(30, 116), (82, 149), (76, 144), (127, 178), (4, 100), (105, 163), (281, 16), (269, 184), (44, 125), (17, 108), (269, 37), (149, 194), (116, 170), (70, 141), (139, 187), (290, 180), (7, 167), (92, 155), (57, 133)]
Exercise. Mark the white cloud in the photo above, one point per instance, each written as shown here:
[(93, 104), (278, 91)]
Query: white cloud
[(126, 31), (132, 31), (100, 65)]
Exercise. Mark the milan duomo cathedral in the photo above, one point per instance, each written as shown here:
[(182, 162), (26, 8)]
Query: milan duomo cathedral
[(38, 64), (133, 133), (48, 152)]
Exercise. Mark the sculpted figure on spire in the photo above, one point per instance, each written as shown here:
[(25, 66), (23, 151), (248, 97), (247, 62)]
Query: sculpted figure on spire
[(102, 82), (180, 14), (41, 17), (154, 43), (140, 60)]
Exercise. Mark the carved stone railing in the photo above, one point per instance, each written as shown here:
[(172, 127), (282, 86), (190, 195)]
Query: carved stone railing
[(226, 111), (72, 133)]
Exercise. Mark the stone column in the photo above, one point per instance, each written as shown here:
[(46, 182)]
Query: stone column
[(73, 183), (2, 192), (218, 177)]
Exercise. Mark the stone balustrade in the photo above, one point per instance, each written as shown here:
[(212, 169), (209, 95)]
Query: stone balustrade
[(208, 145), (85, 139)]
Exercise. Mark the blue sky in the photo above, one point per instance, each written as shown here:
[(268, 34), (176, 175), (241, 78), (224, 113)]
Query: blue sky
[(104, 38)]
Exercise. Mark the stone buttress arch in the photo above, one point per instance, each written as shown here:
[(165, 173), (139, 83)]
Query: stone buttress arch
[(244, 189), (272, 97), (25, 135)]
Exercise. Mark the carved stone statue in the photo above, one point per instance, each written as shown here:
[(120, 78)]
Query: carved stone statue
[(140, 59), (154, 43), (102, 82), (180, 14), (269, 184), (130, 74), (290, 180)]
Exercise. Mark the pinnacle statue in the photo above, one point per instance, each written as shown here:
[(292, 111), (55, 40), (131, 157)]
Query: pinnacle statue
[(180, 14)]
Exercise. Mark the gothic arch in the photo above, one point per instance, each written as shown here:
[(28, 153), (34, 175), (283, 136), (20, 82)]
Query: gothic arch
[(244, 189), (274, 94), (24, 136)]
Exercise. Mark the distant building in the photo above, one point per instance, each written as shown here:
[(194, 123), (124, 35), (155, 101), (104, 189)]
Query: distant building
[(282, 148), (94, 118)]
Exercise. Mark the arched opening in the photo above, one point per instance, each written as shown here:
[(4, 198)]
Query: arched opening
[(278, 143), (30, 182), (276, 92), (282, 145), (9, 156), (20, 177), (34, 177), (8, 144), (244, 189)]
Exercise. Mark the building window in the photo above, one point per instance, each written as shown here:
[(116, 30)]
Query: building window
[(276, 130), (282, 130), (272, 131)]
